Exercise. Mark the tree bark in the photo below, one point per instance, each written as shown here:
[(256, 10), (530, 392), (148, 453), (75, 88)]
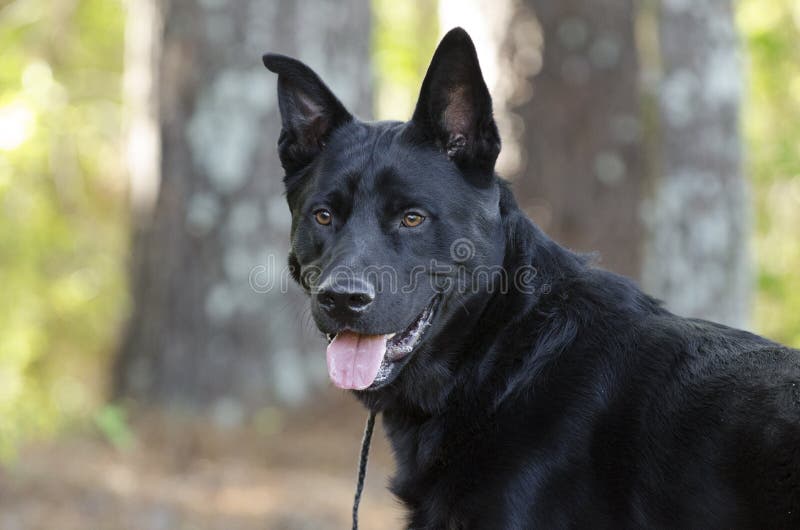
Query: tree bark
[(697, 214), (211, 326), (580, 175), (656, 189)]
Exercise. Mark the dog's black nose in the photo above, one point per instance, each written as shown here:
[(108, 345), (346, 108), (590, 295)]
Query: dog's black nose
[(346, 297)]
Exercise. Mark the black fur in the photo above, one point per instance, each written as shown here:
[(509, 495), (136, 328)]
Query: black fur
[(557, 396)]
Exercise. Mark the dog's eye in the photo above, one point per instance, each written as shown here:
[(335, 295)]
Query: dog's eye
[(323, 216), (413, 219)]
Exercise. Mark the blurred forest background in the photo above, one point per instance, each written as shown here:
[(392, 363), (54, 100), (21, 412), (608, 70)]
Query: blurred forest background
[(145, 382)]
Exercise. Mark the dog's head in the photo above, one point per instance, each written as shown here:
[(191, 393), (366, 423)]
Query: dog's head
[(391, 220)]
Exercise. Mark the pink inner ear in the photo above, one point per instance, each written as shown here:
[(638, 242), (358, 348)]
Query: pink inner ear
[(315, 121), (308, 107), (317, 128), (458, 114)]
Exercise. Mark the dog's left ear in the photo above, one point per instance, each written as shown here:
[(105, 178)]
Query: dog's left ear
[(309, 111), (454, 106)]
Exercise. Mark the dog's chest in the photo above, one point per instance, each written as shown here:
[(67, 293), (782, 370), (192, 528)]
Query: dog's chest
[(441, 463)]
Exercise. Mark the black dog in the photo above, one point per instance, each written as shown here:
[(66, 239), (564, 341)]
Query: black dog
[(520, 387)]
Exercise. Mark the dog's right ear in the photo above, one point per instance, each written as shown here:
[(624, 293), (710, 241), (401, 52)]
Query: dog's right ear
[(309, 111)]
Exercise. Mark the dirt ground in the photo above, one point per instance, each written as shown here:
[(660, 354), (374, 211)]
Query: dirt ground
[(188, 475)]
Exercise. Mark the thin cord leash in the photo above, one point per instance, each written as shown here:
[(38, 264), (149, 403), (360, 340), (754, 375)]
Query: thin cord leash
[(362, 466)]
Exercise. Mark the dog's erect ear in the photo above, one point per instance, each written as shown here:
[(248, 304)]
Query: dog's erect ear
[(455, 107), (309, 111)]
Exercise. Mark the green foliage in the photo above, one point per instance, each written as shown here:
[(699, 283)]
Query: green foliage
[(112, 421), (62, 212), (403, 38), (772, 128)]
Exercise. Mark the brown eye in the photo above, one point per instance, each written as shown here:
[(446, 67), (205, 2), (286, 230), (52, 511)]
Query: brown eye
[(323, 216), (413, 219)]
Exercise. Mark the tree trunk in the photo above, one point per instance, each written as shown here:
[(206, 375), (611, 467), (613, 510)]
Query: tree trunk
[(697, 216), (657, 189), (580, 174), (211, 324)]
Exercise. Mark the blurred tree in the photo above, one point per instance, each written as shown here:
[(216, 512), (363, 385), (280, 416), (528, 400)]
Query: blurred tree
[(656, 189), (212, 326), (581, 174), (697, 213)]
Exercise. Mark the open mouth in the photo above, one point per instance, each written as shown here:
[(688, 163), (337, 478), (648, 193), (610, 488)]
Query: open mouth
[(367, 362)]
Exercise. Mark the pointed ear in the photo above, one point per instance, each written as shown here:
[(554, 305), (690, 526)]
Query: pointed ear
[(309, 111), (454, 107)]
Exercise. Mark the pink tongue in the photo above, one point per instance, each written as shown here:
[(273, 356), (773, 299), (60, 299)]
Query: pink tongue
[(354, 360)]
